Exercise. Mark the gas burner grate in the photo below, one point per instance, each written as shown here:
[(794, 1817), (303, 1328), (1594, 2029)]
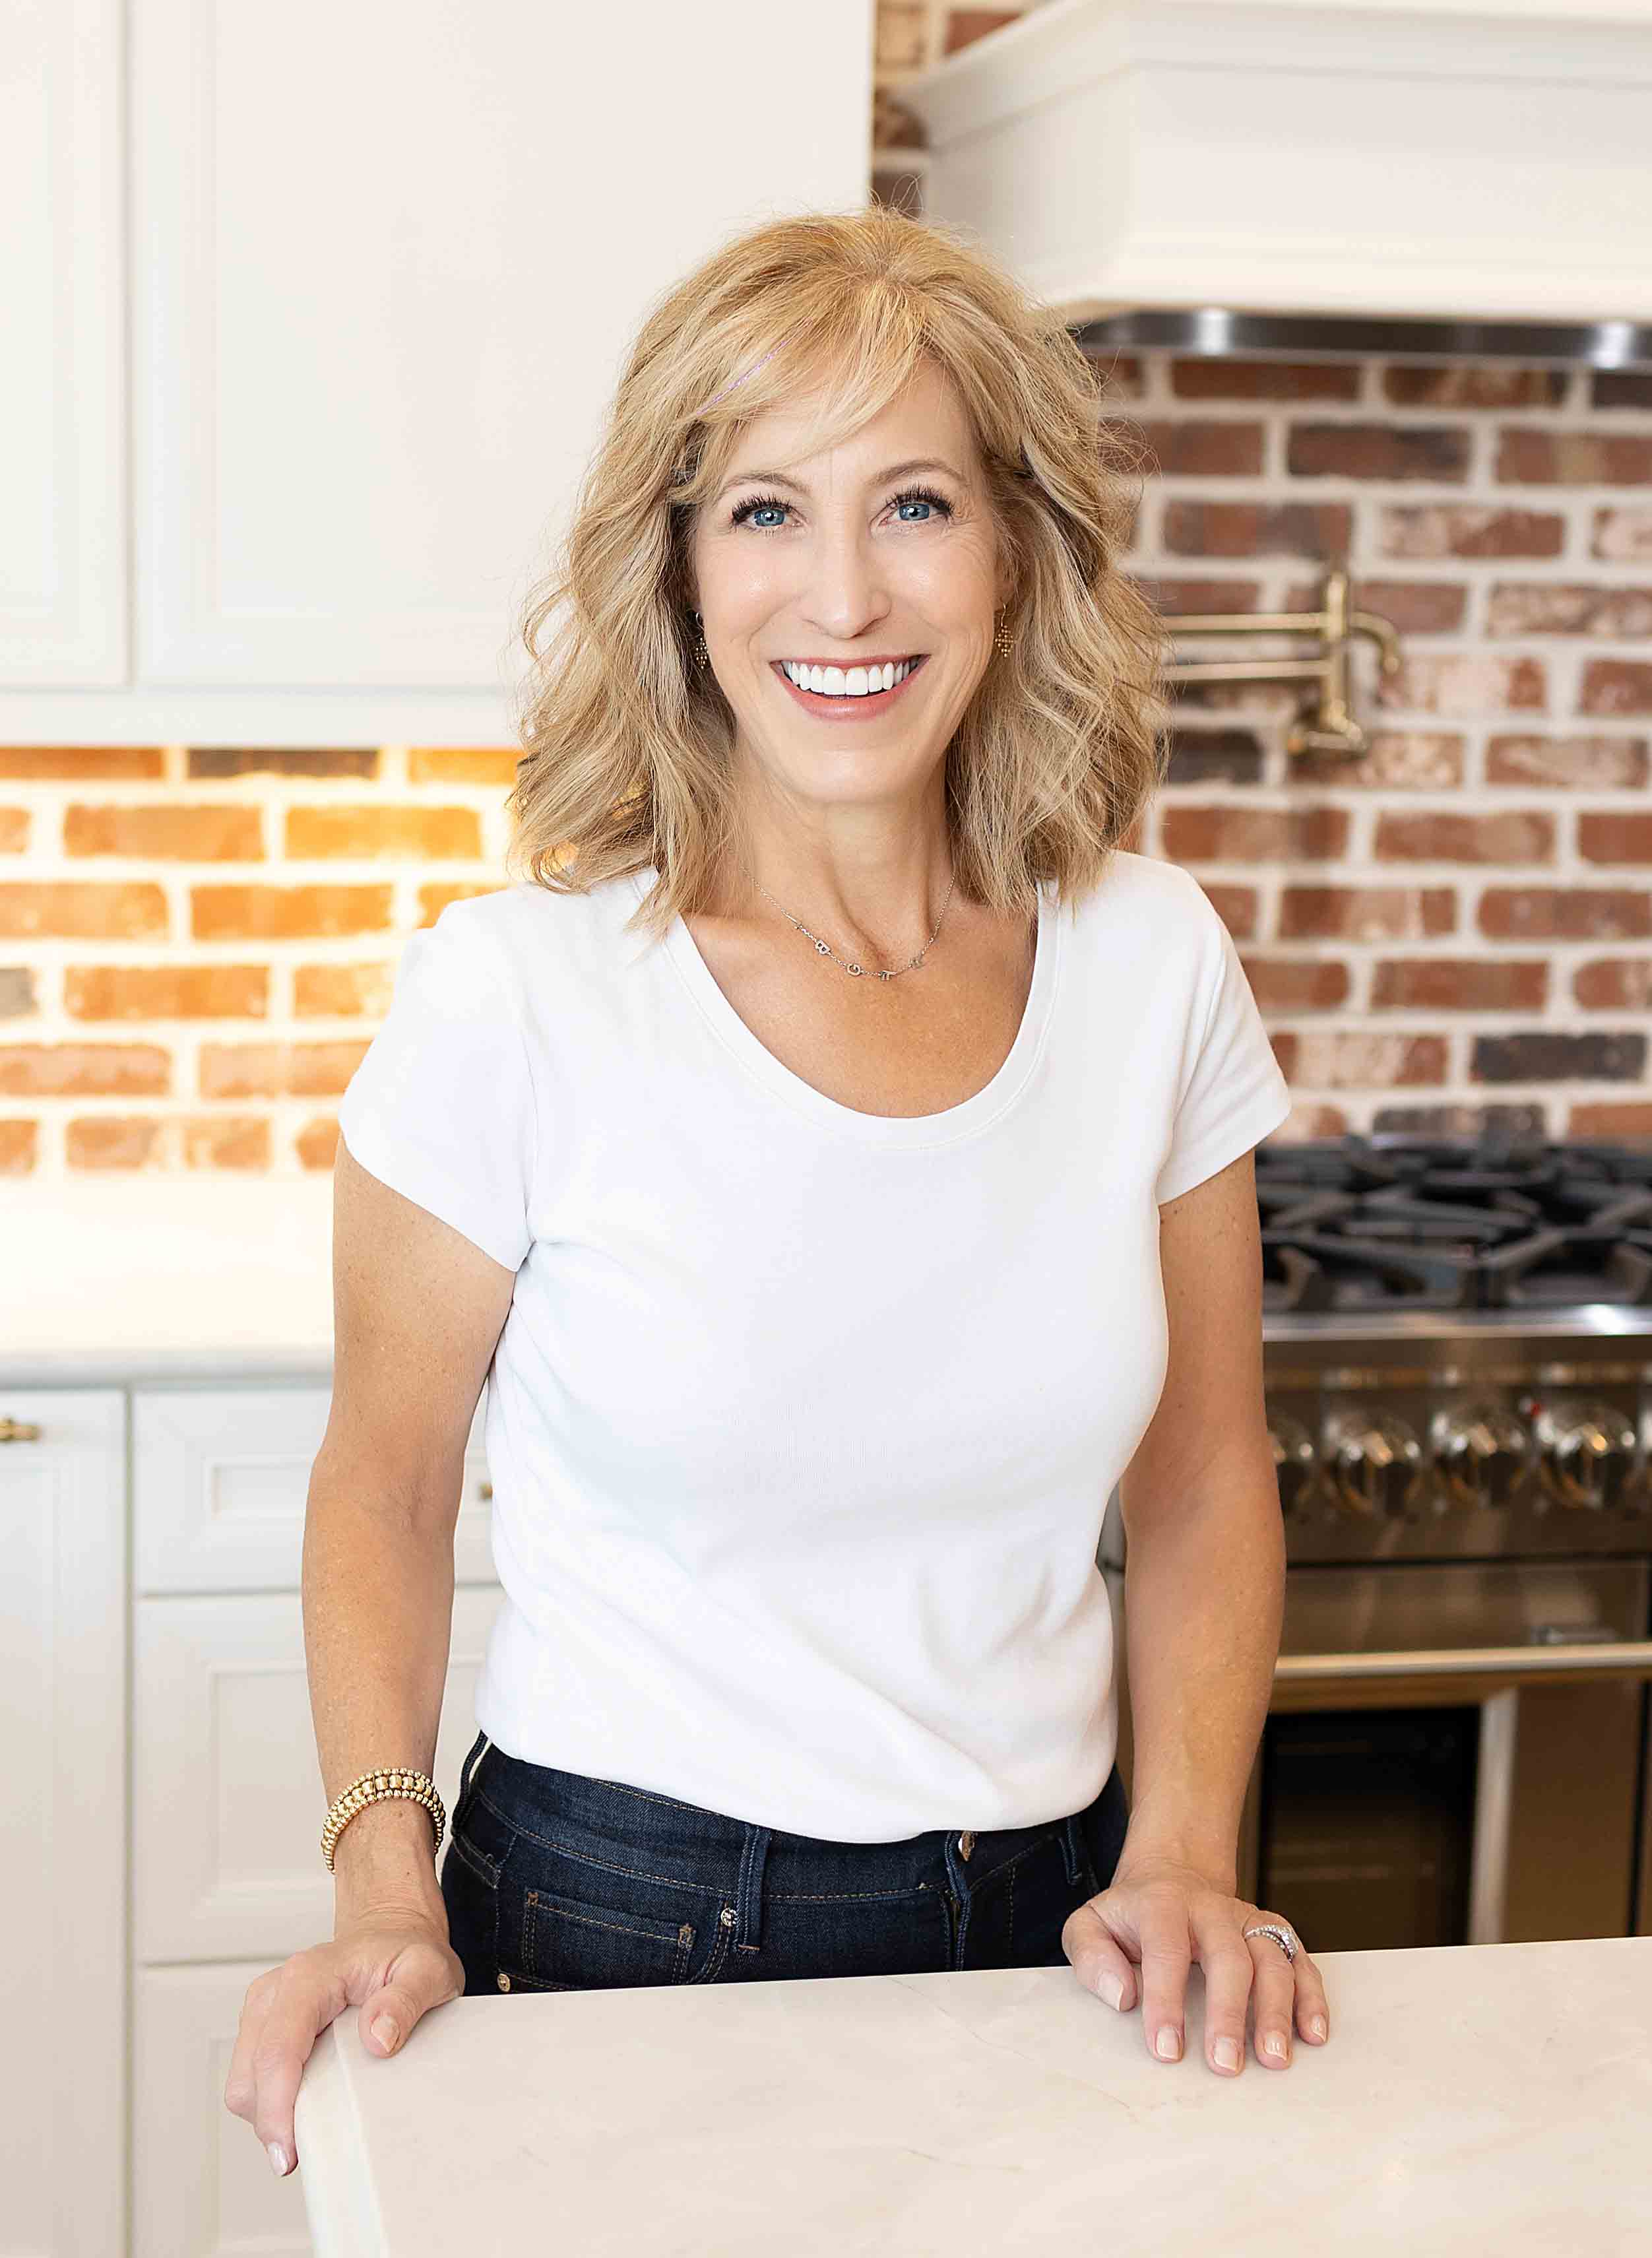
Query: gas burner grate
[(1359, 1225)]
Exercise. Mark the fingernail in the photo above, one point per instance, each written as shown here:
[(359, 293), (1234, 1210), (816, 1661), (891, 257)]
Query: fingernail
[(1316, 2026), (278, 2159), (1111, 1989), (1168, 2047), (1227, 2052), (385, 2031), (1274, 2044)]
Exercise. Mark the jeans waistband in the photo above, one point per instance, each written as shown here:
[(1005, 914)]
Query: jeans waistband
[(643, 1832)]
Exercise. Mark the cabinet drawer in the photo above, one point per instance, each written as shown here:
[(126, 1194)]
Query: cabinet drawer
[(227, 1797), (202, 2184), (220, 1477)]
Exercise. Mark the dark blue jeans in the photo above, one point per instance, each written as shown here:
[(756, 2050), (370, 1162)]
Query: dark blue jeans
[(555, 1882)]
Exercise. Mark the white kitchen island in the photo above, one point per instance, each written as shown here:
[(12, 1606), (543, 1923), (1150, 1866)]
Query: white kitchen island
[(1473, 2098)]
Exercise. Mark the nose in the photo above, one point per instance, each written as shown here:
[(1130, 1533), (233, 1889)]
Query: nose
[(844, 594)]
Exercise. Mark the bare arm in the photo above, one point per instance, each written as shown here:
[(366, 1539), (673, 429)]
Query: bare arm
[(417, 1311), (417, 1308), (1204, 1576), (1204, 1600)]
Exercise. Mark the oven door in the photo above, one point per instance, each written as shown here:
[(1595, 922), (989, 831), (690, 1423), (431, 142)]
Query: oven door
[(1455, 1753)]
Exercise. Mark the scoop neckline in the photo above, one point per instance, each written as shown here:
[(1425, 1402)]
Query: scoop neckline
[(972, 1114)]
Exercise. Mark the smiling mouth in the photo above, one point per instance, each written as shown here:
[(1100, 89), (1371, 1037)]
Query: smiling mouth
[(830, 691)]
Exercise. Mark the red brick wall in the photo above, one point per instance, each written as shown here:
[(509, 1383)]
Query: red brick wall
[(197, 944), (1459, 920)]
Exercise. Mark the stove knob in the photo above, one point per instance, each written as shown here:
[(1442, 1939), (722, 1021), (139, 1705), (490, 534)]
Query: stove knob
[(1482, 1452), (1585, 1453), (1376, 1464), (1296, 1463)]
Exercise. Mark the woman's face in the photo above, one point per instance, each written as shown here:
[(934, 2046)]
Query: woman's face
[(878, 552)]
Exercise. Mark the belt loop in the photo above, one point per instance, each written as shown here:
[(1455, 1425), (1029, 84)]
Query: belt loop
[(467, 1773), (748, 1896), (1072, 1849)]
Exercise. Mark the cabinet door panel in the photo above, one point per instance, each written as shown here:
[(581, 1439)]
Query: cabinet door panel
[(228, 1802), (366, 379), (62, 398), (220, 1479), (202, 2186), (63, 1822)]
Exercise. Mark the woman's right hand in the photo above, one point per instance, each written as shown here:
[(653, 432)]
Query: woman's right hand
[(393, 1963)]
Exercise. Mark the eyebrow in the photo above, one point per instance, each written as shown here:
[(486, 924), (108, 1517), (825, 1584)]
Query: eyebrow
[(890, 471)]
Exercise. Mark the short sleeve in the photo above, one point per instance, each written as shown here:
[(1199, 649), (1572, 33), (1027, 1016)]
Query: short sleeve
[(1233, 1092), (442, 1107)]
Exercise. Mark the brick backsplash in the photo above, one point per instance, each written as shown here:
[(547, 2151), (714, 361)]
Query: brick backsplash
[(1456, 924)]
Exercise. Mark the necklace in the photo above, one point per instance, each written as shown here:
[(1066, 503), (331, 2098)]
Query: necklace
[(911, 963)]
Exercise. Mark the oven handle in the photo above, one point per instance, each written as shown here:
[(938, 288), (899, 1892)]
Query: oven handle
[(1621, 1659)]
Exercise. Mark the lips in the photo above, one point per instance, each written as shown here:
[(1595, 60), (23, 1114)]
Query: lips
[(840, 709)]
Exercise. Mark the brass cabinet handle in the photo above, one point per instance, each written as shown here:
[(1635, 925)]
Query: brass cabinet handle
[(18, 1431)]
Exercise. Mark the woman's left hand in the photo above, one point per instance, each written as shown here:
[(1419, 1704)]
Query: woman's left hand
[(1142, 1934)]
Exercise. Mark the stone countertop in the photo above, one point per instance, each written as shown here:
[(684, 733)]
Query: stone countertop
[(1471, 2097), (124, 1278)]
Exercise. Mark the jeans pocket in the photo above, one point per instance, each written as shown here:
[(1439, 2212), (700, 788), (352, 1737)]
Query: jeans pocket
[(568, 1922), (569, 1943)]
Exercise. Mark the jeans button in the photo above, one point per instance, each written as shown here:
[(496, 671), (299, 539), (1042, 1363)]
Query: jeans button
[(966, 1842), (503, 1981)]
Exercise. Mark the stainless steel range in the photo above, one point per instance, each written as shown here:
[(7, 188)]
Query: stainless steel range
[(1457, 1365)]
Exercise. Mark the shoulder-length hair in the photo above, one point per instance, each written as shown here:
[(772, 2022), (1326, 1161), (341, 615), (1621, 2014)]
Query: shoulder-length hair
[(626, 761)]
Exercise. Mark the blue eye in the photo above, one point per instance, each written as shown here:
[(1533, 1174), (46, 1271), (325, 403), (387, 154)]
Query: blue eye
[(926, 496), (760, 502), (910, 496)]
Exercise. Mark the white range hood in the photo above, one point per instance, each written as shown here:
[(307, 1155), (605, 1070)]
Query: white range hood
[(1466, 159)]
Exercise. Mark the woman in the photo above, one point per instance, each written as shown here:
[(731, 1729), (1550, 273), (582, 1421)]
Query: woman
[(837, 1154)]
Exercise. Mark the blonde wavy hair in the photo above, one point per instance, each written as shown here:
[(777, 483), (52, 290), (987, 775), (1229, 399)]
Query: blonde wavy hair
[(627, 745)]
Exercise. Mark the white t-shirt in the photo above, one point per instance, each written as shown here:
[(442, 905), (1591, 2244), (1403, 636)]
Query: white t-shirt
[(803, 1421)]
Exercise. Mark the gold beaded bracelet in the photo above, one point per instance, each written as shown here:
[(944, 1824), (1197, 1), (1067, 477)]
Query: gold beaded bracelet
[(371, 1787)]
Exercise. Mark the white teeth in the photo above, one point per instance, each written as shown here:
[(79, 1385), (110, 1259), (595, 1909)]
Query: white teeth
[(857, 682)]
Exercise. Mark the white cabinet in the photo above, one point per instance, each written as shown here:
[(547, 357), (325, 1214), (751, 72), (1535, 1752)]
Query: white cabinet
[(384, 261), (227, 1800), (227, 1875), (209, 1771), (63, 2018), (220, 1477), (201, 2186), (62, 398)]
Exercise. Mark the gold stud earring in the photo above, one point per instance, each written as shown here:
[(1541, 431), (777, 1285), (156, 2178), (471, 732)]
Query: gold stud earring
[(1002, 640)]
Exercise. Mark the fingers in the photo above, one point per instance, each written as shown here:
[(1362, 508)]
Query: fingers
[(392, 1974), (1098, 1962), (1167, 1955), (1274, 1994), (1246, 1979), (1313, 2009), (240, 2088), (1229, 1973), (278, 2031), (388, 2015)]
